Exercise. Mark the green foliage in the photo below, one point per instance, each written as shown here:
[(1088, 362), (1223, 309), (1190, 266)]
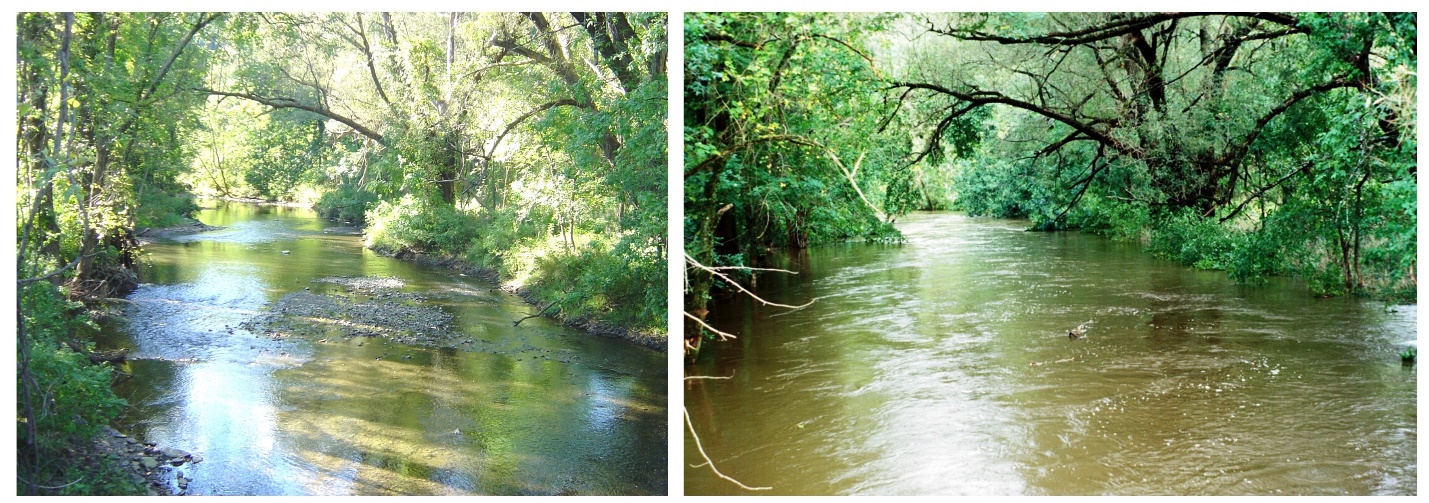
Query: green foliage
[(164, 210), (416, 225), (1297, 160), (1190, 239), (346, 203), (783, 141), (286, 153), (71, 399)]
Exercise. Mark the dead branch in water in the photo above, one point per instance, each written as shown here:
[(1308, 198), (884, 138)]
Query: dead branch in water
[(708, 462), (715, 271), (541, 312)]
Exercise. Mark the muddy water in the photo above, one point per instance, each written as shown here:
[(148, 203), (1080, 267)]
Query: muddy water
[(943, 366), (534, 409)]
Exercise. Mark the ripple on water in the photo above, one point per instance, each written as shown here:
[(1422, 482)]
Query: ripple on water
[(940, 367)]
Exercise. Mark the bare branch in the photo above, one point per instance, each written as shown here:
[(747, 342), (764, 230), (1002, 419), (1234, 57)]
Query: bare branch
[(709, 462), (724, 336), (281, 102), (691, 261)]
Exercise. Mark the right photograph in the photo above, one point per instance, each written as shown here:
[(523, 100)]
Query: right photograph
[(1050, 254)]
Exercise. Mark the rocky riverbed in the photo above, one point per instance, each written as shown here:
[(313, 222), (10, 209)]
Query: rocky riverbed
[(146, 236), (375, 307), (369, 307), (162, 471)]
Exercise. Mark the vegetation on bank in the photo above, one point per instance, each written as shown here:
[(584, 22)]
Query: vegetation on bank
[(65, 401), (1260, 144), (529, 143)]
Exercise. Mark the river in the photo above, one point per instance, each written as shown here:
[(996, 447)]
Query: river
[(532, 409), (943, 367)]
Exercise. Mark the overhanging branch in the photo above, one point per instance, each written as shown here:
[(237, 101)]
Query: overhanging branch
[(281, 102)]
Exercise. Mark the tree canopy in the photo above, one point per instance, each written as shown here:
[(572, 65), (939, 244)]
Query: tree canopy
[(1257, 143)]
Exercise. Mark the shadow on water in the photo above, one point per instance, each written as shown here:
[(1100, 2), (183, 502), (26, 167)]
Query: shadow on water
[(535, 409)]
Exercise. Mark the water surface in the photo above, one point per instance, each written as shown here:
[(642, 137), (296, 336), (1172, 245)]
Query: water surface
[(534, 409), (943, 366)]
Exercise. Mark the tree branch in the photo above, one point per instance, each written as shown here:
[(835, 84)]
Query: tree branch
[(979, 97), (709, 462), (691, 261), (281, 102), (203, 20), (512, 125), (1263, 190)]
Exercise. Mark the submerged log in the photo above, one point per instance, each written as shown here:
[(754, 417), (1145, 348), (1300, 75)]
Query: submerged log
[(115, 356)]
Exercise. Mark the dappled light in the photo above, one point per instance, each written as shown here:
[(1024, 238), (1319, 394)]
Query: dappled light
[(217, 203), (363, 405)]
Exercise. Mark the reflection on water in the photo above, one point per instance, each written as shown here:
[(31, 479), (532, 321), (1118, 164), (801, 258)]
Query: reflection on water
[(943, 367), (328, 415)]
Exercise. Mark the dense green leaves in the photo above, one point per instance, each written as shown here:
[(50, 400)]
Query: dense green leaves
[(1283, 145), (520, 142), (784, 144), (1257, 143)]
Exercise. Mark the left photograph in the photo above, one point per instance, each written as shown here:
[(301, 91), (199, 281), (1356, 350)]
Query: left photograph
[(341, 253)]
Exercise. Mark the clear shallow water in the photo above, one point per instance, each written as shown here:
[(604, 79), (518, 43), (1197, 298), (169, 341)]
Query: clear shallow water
[(943, 367), (535, 409)]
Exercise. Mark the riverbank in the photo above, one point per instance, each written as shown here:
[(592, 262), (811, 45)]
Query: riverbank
[(161, 471), (151, 235), (597, 327), (261, 202), (648, 339)]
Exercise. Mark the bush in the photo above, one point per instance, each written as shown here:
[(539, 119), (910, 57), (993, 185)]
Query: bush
[(71, 399), (1191, 239), (347, 204), (416, 225), (157, 209)]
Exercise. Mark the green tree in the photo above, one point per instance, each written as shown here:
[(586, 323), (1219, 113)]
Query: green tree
[(788, 141), (1165, 127)]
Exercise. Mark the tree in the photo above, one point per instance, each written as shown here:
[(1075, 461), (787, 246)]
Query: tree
[(784, 144), (1164, 114)]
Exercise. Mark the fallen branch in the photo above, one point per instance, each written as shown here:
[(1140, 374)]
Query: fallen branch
[(724, 336), (882, 217), (541, 312), (76, 481), (709, 462), (691, 260)]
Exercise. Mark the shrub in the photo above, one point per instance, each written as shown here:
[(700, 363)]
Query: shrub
[(417, 225), (1190, 239), (347, 203), (157, 209), (71, 399)]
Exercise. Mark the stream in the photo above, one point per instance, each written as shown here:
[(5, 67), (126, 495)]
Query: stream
[(328, 406), (943, 366)]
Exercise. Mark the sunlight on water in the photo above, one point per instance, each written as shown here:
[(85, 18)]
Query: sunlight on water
[(943, 366), (328, 414)]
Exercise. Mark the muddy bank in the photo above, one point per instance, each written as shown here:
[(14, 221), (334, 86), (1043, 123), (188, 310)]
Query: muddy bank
[(597, 327)]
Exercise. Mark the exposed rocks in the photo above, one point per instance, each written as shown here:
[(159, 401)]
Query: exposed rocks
[(147, 236), (344, 231), (157, 469), (375, 309), (365, 283)]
